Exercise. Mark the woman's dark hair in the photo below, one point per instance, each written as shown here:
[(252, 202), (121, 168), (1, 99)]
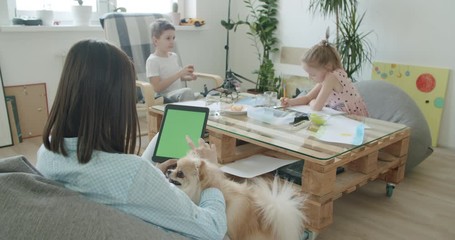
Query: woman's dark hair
[(95, 102)]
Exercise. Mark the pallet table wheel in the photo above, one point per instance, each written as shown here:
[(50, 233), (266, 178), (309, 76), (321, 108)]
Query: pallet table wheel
[(309, 235), (389, 189)]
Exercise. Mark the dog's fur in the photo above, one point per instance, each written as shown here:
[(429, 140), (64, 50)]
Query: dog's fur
[(260, 209)]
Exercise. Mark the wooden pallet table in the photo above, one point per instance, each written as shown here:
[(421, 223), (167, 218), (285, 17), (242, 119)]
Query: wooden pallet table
[(382, 155)]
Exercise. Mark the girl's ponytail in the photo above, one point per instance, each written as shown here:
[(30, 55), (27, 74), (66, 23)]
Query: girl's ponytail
[(325, 42)]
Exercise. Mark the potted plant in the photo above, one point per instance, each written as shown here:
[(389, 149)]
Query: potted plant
[(175, 15), (262, 22), (350, 42), (81, 14)]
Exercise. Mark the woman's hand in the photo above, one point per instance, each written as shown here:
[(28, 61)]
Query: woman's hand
[(169, 164), (205, 150)]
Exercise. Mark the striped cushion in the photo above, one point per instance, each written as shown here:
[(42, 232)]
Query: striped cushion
[(131, 32)]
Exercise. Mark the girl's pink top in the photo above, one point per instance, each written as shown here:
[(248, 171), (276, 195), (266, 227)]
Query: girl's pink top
[(349, 99)]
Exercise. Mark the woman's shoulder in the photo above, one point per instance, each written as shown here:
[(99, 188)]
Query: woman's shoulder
[(120, 157)]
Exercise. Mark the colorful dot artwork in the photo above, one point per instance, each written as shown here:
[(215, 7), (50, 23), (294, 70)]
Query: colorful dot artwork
[(425, 82), (426, 85)]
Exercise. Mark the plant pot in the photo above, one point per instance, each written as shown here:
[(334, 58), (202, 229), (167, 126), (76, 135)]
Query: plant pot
[(46, 16), (175, 17), (253, 91), (81, 15)]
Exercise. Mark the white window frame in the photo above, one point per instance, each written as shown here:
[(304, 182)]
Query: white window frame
[(64, 18)]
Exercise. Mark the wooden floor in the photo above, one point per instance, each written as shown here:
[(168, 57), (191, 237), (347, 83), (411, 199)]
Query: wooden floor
[(422, 206)]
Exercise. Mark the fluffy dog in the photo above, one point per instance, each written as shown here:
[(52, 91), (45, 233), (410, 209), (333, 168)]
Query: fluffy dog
[(260, 209)]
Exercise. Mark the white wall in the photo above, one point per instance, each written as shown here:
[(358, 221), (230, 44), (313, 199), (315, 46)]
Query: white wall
[(37, 57), (415, 32)]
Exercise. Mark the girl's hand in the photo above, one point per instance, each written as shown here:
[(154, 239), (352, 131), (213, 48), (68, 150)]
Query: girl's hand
[(285, 102), (205, 150)]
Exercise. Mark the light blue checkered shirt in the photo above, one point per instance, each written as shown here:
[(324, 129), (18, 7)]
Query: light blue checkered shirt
[(133, 185)]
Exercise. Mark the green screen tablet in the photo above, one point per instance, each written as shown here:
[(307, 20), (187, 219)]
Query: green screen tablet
[(179, 121)]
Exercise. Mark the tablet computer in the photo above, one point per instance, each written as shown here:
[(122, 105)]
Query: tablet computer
[(179, 121)]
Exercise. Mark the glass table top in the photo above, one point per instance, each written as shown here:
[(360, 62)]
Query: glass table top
[(296, 140)]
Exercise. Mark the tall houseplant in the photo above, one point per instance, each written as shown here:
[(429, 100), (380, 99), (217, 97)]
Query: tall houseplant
[(350, 42), (262, 22)]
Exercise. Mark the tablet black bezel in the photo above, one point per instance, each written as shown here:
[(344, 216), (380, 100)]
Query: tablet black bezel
[(160, 159)]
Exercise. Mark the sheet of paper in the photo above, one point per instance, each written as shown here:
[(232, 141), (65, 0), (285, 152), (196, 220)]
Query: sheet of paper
[(195, 103), (200, 103), (341, 129), (255, 165), (307, 109)]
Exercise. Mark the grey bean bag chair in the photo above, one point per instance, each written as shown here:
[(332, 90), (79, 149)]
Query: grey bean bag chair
[(387, 102), (32, 207)]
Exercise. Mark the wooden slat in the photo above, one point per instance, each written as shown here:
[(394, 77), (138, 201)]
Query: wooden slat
[(292, 55)]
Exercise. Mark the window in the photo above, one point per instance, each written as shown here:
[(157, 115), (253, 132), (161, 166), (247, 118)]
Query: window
[(55, 5), (163, 6), (156, 6), (62, 8)]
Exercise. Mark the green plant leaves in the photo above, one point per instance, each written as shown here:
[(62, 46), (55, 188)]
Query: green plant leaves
[(227, 25), (262, 24), (351, 43), (330, 7)]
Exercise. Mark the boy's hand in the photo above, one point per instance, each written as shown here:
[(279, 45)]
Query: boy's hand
[(192, 77), (188, 73), (187, 70)]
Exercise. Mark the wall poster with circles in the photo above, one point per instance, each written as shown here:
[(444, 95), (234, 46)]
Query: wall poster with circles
[(426, 85)]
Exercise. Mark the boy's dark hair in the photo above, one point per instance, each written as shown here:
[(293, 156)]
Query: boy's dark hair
[(159, 26), (95, 102)]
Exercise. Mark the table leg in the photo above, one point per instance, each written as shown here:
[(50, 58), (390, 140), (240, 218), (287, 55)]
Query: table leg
[(400, 150), (225, 147), (320, 215), (154, 122), (318, 184)]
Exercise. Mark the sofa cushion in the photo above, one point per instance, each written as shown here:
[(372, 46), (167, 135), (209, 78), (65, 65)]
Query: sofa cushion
[(32, 206), (387, 102)]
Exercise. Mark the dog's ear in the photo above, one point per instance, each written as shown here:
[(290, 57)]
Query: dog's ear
[(202, 169), (202, 163)]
